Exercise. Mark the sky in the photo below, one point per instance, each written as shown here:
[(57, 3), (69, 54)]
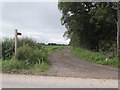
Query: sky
[(37, 20)]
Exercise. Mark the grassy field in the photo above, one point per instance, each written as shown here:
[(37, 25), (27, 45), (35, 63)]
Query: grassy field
[(53, 48), (96, 57)]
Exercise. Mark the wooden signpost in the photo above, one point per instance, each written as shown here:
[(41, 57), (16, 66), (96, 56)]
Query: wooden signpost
[(16, 34)]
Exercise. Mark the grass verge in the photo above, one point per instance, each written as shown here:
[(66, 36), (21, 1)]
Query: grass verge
[(96, 57), (17, 66)]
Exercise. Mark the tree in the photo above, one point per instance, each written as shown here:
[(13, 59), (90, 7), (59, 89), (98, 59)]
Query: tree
[(89, 25), (118, 29)]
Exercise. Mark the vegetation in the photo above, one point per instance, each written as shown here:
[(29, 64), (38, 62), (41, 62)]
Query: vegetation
[(30, 56), (21, 66), (54, 48), (7, 48), (91, 26), (96, 57)]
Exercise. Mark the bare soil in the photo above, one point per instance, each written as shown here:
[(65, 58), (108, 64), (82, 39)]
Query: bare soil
[(63, 63)]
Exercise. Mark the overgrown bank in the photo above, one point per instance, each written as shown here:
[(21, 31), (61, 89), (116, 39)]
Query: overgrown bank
[(97, 57), (31, 56)]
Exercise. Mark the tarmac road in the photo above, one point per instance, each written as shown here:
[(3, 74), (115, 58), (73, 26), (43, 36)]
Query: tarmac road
[(32, 81)]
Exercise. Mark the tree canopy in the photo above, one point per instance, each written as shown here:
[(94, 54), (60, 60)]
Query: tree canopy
[(90, 25)]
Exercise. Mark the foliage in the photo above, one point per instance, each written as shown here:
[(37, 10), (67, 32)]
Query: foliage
[(13, 65), (40, 67), (7, 48), (90, 25), (28, 41), (31, 55), (96, 57), (21, 66)]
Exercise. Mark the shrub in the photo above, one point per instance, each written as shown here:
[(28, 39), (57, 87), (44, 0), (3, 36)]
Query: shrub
[(7, 48), (28, 41), (31, 55)]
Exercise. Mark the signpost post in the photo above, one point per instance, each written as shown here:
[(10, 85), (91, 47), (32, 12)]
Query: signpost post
[(16, 33)]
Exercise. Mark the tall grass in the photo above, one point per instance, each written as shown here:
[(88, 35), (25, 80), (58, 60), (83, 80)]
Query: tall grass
[(96, 57), (21, 66)]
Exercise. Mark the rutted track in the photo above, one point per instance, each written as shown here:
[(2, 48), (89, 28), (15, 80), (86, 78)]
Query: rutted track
[(65, 64)]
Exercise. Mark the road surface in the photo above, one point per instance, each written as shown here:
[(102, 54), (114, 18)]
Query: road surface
[(31, 81)]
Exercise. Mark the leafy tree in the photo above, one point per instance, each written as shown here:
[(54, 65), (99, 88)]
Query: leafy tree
[(89, 25)]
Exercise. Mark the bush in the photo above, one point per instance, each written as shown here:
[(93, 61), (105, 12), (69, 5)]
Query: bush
[(31, 55), (28, 41), (7, 48)]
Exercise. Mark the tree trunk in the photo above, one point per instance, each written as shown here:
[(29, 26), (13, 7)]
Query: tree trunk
[(118, 29)]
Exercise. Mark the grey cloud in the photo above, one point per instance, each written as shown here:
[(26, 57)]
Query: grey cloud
[(38, 17)]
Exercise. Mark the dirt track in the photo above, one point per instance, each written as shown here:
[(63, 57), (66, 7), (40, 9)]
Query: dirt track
[(65, 64)]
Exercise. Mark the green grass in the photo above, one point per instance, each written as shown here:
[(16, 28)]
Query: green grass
[(40, 67), (21, 66), (53, 48), (13, 66), (96, 57)]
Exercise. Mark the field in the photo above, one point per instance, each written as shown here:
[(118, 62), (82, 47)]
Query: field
[(53, 48)]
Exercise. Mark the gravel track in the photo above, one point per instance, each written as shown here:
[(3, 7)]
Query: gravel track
[(66, 65)]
